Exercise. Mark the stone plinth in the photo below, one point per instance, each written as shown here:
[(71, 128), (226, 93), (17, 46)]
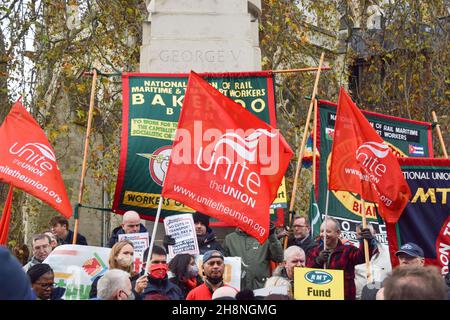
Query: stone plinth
[(201, 35)]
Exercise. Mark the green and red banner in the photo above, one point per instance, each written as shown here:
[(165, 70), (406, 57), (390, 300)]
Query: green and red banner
[(406, 138), (151, 109), (426, 219)]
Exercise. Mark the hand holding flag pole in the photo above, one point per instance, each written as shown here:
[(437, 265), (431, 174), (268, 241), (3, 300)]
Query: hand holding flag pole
[(366, 243), (155, 227)]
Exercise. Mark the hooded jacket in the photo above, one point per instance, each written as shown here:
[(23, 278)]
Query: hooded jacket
[(208, 242), (255, 257)]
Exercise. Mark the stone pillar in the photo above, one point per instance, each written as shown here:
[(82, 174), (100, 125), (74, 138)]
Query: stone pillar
[(202, 35)]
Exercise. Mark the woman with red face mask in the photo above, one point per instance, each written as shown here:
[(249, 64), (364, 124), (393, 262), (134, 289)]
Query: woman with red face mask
[(121, 257), (157, 280), (185, 272)]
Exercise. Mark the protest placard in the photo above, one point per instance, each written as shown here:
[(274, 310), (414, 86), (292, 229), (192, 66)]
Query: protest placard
[(140, 242), (181, 228), (75, 268)]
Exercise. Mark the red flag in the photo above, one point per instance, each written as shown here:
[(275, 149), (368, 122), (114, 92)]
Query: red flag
[(28, 162), (6, 217), (362, 163), (225, 162)]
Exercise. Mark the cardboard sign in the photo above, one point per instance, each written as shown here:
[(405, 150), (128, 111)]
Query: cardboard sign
[(318, 284), (140, 242), (76, 266), (232, 273), (181, 227)]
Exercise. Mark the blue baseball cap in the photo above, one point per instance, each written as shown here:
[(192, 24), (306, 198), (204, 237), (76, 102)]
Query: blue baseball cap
[(411, 249)]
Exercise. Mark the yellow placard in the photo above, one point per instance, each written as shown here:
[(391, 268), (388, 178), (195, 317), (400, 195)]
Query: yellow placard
[(281, 199), (318, 284)]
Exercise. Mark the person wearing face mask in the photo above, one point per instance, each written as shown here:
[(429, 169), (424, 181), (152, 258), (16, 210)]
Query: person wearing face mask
[(157, 281), (122, 258), (213, 269), (185, 272)]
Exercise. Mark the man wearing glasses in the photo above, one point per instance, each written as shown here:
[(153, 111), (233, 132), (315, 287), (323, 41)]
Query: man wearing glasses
[(131, 223), (301, 236), (41, 249)]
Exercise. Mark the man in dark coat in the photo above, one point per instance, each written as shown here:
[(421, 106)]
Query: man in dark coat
[(131, 223), (157, 281), (301, 236), (206, 237), (60, 228)]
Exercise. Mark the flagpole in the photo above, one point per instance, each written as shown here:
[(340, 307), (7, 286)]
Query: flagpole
[(302, 145), (152, 240), (85, 154), (301, 70), (366, 243), (155, 227), (439, 133), (6, 217), (325, 226), (314, 144)]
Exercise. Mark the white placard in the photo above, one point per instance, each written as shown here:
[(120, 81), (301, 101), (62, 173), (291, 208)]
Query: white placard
[(264, 292), (140, 242), (76, 266), (181, 227)]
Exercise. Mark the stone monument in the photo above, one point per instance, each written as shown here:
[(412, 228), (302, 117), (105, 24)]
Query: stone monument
[(203, 36)]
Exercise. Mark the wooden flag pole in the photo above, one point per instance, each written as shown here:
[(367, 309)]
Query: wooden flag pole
[(314, 144), (366, 243), (438, 130), (301, 70), (85, 154), (302, 145), (325, 226)]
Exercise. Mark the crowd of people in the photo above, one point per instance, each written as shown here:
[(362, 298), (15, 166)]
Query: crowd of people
[(265, 265)]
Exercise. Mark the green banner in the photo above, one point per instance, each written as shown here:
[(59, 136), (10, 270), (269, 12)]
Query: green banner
[(407, 138), (151, 108)]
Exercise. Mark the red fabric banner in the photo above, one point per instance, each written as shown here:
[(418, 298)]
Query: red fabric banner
[(362, 163), (28, 162), (6, 217), (225, 161)]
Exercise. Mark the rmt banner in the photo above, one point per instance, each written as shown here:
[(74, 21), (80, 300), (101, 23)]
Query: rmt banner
[(426, 219), (151, 109), (406, 138)]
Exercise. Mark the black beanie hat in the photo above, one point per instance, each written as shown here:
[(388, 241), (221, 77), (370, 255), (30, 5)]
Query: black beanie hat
[(37, 271), (200, 217)]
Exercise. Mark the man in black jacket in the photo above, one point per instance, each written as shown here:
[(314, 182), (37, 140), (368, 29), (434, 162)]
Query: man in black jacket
[(301, 236), (60, 228), (206, 238), (131, 223)]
